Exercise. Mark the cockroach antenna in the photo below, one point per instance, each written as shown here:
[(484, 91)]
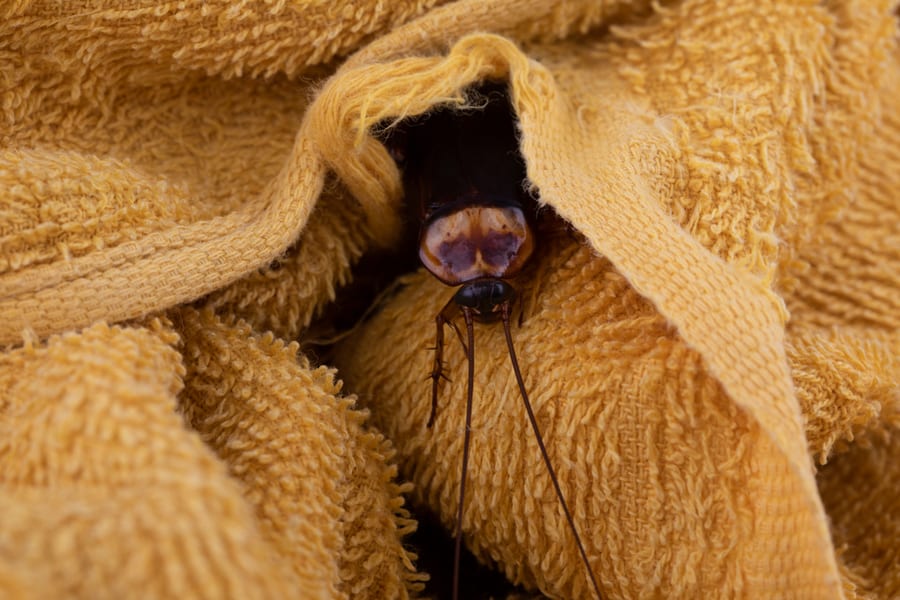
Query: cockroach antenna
[(464, 174)]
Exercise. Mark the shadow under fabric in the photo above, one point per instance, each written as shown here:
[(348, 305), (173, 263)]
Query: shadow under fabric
[(729, 324)]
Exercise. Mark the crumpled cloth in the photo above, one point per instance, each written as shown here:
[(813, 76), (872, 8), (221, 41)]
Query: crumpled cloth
[(712, 353)]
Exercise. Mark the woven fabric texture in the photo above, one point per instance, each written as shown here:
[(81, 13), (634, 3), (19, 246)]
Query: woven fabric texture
[(711, 349)]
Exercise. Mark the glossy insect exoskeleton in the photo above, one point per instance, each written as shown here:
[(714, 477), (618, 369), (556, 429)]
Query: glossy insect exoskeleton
[(464, 174)]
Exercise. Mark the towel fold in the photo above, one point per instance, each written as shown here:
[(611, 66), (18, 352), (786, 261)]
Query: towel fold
[(711, 349)]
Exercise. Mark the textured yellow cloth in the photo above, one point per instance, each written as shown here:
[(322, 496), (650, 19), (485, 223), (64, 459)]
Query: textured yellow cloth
[(712, 358)]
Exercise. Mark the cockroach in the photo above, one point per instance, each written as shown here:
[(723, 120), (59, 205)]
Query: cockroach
[(464, 174)]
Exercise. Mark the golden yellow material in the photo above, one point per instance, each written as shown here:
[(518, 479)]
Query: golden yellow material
[(106, 493), (724, 323)]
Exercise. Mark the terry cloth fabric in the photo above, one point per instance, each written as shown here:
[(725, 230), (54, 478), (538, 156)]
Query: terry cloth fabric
[(712, 357)]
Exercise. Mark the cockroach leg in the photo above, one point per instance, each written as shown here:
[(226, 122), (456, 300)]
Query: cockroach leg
[(470, 357), (444, 317), (504, 315), (521, 312), (459, 335), (438, 368)]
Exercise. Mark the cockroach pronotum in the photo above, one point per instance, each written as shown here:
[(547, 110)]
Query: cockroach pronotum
[(463, 172)]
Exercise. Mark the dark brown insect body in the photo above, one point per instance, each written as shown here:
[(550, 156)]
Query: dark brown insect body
[(464, 173)]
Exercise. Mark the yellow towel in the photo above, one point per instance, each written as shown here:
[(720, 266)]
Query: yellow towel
[(724, 323)]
